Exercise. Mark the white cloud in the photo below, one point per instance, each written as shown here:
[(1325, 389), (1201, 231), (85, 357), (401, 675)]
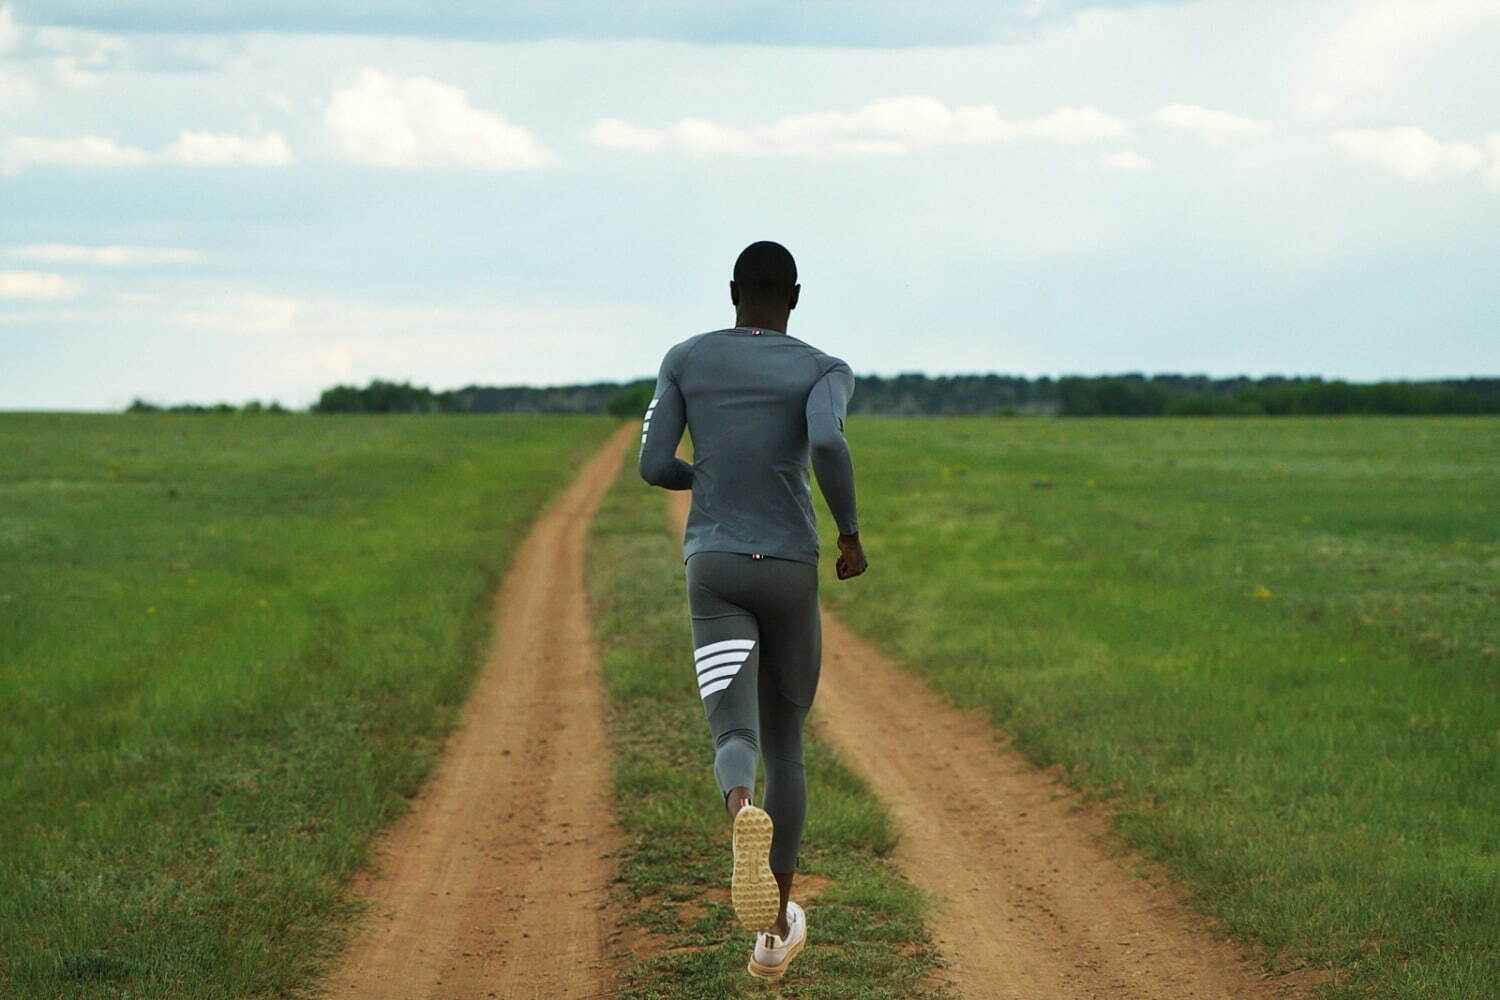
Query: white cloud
[(410, 122), (1381, 42), (1492, 172), (84, 151), (219, 150), (1211, 124), (13, 90), (71, 253), (10, 34), (1126, 160), (72, 75), (255, 314), (191, 148), (1408, 152), (292, 317), (889, 126), (36, 285)]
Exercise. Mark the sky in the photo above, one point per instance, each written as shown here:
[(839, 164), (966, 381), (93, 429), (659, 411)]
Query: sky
[(206, 200)]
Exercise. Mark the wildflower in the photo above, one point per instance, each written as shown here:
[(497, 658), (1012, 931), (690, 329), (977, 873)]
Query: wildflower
[(263, 602), (151, 610), (1263, 592)]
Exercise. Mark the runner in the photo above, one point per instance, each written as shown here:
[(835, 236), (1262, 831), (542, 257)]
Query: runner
[(757, 403)]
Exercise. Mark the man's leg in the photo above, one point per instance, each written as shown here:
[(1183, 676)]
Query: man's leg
[(791, 659), (726, 659)]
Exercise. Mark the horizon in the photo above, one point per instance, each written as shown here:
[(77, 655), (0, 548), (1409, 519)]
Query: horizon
[(644, 379), (236, 201)]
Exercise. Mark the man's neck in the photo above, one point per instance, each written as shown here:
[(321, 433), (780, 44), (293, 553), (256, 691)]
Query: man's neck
[(762, 319)]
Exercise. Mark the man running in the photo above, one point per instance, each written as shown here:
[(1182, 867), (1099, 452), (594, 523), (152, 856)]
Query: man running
[(757, 402)]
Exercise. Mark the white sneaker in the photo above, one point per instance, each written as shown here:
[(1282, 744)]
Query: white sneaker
[(752, 887), (772, 953)]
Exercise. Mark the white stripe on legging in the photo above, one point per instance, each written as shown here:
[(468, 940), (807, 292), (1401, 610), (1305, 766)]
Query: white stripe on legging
[(721, 645), (709, 676), (733, 656), (716, 686)]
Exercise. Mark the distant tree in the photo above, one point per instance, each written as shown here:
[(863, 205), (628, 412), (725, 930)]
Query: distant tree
[(1129, 394), (139, 405), (382, 397), (631, 402)]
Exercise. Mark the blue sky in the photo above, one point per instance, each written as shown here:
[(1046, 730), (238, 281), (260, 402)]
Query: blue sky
[(220, 200)]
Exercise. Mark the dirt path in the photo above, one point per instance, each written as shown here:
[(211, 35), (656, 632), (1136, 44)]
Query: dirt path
[(495, 884), (1029, 904)]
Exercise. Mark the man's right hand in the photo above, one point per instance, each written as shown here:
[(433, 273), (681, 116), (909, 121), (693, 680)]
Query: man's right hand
[(852, 560)]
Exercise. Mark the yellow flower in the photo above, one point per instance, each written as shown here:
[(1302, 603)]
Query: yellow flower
[(262, 602), (1264, 593), (151, 610), (192, 582)]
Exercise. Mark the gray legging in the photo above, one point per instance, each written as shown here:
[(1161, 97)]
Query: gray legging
[(757, 645)]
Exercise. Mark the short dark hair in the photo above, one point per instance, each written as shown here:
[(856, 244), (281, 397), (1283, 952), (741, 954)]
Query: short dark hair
[(765, 268)]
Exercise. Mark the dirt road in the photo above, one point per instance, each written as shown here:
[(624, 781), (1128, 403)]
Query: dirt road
[(1029, 904), (495, 884)]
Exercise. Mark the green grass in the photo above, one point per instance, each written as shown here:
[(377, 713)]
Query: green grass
[(1271, 643), (229, 646), (867, 940)]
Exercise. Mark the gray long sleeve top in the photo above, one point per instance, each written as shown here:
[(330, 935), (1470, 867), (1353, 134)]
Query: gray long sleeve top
[(758, 404)]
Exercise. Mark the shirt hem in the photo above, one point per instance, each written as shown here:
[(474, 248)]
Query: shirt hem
[(747, 550)]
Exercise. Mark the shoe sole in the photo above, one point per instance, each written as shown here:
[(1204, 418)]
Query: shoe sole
[(775, 971), (752, 887)]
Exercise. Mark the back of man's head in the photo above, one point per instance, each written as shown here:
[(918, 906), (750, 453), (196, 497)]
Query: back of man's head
[(765, 270)]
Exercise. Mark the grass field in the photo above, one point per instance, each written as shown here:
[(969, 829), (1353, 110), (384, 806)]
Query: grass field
[(1271, 643), (229, 646), (683, 941)]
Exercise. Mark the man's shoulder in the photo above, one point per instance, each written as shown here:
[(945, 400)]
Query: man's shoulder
[(826, 362), (680, 350)]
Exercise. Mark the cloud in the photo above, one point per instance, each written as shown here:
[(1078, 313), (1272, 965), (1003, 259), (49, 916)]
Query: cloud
[(1215, 125), (411, 122), (1492, 172), (254, 314), (84, 151), (191, 149), (1126, 160), (36, 285), (890, 126), (286, 316), (1408, 152), (13, 90), (71, 253), (219, 150), (10, 34), (71, 74), (1380, 43)]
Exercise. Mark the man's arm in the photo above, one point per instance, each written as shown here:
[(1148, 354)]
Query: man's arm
[(661, 430), (826, 406)]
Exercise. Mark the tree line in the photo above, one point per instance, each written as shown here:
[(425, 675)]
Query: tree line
[(1129, 395)]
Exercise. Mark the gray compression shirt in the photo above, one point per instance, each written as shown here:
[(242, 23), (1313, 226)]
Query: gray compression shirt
[(758, 404)]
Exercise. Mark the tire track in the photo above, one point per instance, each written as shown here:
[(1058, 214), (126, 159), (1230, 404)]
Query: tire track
[(495, 884)]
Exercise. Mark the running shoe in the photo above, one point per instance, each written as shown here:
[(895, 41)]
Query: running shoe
[(772, 953), (752, 887)]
